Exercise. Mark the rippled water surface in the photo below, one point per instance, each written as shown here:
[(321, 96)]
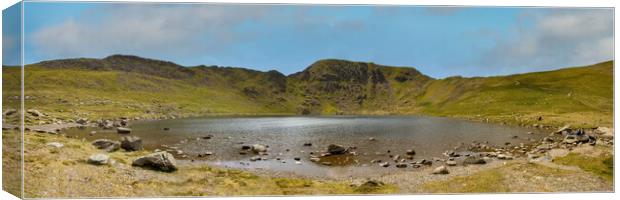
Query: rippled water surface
[(429, 136)]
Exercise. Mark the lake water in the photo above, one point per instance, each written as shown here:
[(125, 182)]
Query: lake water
[(428, 136)]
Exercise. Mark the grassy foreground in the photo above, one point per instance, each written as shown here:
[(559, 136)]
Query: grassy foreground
[(594, 173), (63, 172)]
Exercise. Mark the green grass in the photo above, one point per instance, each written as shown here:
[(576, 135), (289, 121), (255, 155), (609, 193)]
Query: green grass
[(482, 182), (602, 166), (580, 96)]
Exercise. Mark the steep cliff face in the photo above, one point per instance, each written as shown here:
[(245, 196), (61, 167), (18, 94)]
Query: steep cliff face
[(345, 87)]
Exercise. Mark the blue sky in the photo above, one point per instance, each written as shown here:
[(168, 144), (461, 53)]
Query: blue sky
[(439, 41)]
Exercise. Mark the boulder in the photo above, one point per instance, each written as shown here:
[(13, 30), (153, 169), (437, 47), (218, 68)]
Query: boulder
[(162, 161), (131, 143), (123, 130), (410, 152), (474, 160), (257, 148), (108, 145), (385, 164), (401, 165), (451, 163), (441, 170), (98, 159), (335, 149)]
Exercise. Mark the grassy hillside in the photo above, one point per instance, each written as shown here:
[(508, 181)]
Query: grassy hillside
[(582, 96), (130, 86)]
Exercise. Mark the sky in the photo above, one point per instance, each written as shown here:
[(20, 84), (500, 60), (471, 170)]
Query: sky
[(438, 41)]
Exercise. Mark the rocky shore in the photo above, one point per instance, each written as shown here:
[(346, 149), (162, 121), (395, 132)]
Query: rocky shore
[(464, 159)]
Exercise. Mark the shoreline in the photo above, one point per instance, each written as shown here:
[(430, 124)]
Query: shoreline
[(397, 177)]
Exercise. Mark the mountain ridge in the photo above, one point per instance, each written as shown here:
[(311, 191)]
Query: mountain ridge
[(155, 88)]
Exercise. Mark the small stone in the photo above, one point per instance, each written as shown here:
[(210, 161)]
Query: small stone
[(451, 163), (123, 130), (385, 164), (98, 159), (441, 170), (55, 144)]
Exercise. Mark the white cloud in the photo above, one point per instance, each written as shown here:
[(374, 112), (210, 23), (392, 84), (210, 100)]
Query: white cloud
[(556, 39), (158, 29)]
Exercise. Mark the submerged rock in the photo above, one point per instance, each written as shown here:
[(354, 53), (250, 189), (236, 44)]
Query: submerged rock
[(162, 161), (335, 149), (123, 130)]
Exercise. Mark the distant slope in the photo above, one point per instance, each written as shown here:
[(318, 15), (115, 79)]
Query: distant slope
[(572, 95), (131, 86)]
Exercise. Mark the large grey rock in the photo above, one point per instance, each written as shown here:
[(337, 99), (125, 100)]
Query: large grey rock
[(98, 159), (335, 149), (131, 143), (162, 161), (107, 145)]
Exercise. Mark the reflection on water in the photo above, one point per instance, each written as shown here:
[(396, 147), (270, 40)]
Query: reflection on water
[(428, 136)]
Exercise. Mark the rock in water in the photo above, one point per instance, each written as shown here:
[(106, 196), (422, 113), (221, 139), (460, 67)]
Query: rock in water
[(162, 161), (98, 159), (108, 145), (335, 149), (258, 148), (131, 143), (441, 170), (123, 130)]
